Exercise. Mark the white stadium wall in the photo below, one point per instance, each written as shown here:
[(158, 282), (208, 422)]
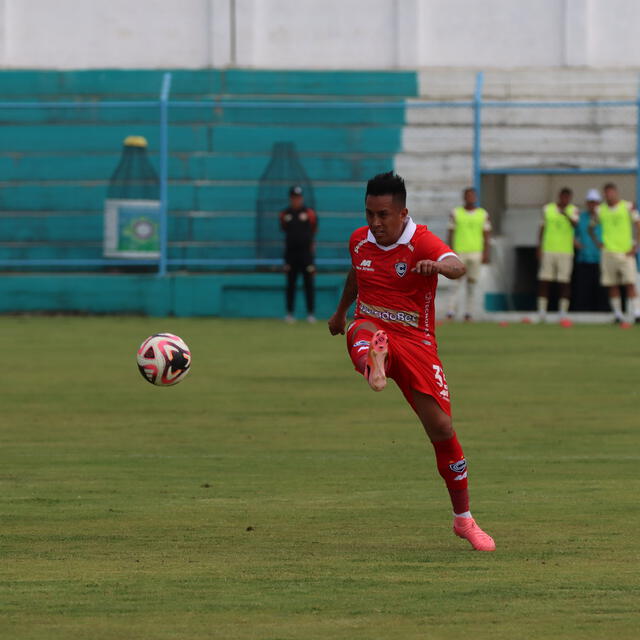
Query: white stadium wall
[(309, 34)]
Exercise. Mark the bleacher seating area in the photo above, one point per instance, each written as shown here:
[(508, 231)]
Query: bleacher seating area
[(55, 163)]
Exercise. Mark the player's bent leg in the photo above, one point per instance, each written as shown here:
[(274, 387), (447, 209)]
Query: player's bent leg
[(359, 336), (376, 369), (368, 349), (452, 466)]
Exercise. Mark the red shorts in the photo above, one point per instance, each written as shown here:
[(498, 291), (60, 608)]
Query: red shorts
[(413, 365)]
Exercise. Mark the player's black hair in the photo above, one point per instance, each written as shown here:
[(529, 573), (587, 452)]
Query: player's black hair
[(387, 184), (609, 185), (565, 191), (467, 190)]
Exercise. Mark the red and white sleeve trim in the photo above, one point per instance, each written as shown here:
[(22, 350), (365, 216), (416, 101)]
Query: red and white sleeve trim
[(446, 255)]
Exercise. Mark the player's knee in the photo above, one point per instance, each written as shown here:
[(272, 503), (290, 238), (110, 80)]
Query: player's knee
[(438, 426), (440, 430)]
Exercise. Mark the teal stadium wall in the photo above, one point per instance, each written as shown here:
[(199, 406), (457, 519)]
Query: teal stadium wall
[(55, 165)]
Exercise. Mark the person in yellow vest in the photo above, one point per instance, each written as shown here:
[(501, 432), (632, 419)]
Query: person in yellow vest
[(469, 236), (620, 224), (555, 253)]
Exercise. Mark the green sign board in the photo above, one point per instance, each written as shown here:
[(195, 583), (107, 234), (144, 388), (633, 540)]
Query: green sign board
[(132, 229)]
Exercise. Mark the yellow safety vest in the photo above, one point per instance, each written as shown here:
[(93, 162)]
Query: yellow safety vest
[(557, 236), (468, 234), (617, 228)]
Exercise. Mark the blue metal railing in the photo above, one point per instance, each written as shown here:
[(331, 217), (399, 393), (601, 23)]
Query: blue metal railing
[(164, 104), (477, 134), (479, 170), (164, 173)]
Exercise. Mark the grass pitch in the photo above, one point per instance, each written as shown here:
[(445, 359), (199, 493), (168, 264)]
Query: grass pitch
[(272, 496)]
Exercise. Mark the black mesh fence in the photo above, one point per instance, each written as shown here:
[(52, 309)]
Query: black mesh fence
[(283, 171)]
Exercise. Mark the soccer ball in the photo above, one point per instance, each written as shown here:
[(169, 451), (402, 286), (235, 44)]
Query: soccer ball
[(164, 359)]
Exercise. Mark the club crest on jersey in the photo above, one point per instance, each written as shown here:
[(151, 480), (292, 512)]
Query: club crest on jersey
[(458, 467), (401, 268)]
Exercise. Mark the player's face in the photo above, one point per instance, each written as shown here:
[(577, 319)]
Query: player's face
[(386, 218)]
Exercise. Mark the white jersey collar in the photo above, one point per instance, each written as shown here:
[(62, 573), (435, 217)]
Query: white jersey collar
[(409, 229)]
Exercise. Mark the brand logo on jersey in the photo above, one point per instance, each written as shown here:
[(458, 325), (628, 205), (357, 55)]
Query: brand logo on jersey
[(410, 318), (401, 268), (365, 265)]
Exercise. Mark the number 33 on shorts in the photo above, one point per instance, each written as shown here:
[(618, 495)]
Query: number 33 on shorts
[(438, 374)]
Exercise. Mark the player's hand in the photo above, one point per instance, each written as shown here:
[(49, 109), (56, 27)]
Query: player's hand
[(337, 322), (485, 259), (426, 267)]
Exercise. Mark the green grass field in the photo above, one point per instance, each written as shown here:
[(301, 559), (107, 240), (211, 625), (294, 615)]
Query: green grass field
[(272, 496)]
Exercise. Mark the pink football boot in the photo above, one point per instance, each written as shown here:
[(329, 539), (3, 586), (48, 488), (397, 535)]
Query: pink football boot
[(468, 529)]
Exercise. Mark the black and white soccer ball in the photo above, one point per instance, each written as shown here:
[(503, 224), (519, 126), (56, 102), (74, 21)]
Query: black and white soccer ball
[(164, 359)]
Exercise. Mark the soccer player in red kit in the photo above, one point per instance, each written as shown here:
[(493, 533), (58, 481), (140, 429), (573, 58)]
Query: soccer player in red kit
[(393, 279)]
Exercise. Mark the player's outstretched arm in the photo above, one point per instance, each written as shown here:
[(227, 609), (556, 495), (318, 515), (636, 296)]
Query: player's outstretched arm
[(338, 320), (450, 267)]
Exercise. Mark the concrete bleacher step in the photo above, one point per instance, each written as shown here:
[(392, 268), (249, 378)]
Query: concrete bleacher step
[(201, 226), (416, 167), (206, 82), (186, 195), (529, 84), (508, 139), (227, 252), (55, 164), (202, 137), (187, 166), (438, 142), (591, 116), (207, 115)]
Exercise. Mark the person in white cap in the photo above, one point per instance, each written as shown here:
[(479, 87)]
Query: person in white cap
[(588, 294)]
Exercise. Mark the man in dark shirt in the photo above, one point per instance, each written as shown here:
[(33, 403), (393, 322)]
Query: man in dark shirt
[(588, 295), (299, 224)]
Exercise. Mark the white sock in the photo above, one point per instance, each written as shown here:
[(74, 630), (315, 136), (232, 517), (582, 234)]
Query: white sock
[(635, 305), (471, 286), (616, 306), (542, 306), (563, 305), (466, 514)]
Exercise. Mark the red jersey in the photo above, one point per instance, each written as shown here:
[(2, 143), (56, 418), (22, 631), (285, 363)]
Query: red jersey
[(388, 291)]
